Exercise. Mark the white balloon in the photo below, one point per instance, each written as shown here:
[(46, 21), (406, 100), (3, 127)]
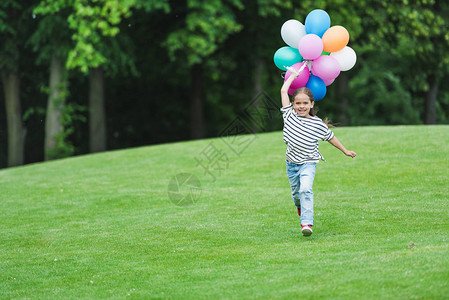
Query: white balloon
[(346, 57), (292, 31)]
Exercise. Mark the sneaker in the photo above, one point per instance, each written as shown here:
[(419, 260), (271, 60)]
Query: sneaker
[(306, 230)]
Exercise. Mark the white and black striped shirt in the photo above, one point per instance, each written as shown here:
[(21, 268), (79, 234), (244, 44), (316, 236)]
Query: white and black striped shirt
[(302, 135)]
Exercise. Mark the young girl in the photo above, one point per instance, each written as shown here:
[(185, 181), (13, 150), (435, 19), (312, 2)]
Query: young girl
[(302, 131)]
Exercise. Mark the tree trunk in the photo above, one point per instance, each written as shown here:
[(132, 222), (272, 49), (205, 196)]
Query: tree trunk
[(55, 105), (430, 116), (342, 88), (259, 68), (97, 119), (258, 62), (196, 102), (16, 129)]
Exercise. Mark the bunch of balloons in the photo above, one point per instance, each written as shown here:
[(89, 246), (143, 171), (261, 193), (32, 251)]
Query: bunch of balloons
[(322, 48)]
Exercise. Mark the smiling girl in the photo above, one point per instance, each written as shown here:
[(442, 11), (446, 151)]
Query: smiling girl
[(302, 131)]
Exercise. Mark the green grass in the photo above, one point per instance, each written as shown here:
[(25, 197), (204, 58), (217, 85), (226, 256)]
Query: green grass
[(102, 226)]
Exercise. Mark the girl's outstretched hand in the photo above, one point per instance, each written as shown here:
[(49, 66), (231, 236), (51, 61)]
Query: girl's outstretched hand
[(350, 153), (334, 141)]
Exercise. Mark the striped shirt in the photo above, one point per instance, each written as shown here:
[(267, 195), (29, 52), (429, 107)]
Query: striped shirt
[(302, 135)]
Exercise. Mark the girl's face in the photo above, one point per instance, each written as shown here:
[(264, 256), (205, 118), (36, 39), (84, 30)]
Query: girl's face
[(302, 105)]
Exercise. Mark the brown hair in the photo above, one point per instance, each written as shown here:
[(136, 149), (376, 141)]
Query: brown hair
[(314, 110)]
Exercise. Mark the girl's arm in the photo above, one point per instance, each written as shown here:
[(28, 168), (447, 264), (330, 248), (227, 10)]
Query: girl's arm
[(334, 141), (284, 90)]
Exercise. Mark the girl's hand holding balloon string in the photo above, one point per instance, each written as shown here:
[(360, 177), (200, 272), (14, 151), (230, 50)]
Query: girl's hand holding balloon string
[(294, 71)]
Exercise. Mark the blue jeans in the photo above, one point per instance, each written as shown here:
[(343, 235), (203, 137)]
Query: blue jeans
[(301, 181)]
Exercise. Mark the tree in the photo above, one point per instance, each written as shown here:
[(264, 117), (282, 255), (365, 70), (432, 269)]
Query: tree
[(52, 42), (117, 52), (93, 25), (15, 22), (423, 44), (261, 17), (205, 26), (97, 114), (411, 37)]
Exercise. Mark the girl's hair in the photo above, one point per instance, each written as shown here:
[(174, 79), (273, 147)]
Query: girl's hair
[(314, 110)]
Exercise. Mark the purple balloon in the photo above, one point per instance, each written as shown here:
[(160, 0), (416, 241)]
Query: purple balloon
[(302, 78), (326, 67), (310, 46)]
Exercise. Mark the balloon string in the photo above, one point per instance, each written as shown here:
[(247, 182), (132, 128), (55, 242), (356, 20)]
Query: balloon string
[(296, 71), (307, 63)]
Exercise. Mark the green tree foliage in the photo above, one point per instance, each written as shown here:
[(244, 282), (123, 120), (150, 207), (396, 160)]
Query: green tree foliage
[(207, 25), (410, 39), (90, 21)]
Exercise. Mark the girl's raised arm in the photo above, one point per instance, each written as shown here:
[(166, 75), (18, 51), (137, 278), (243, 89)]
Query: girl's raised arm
[(284, 89)]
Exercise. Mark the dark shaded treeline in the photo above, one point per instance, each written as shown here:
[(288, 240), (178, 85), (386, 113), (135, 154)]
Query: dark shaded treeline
[(154, 105)]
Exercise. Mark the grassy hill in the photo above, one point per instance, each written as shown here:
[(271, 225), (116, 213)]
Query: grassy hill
[(117, 224)]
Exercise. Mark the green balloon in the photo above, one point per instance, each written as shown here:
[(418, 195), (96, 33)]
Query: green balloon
[(286, 57)]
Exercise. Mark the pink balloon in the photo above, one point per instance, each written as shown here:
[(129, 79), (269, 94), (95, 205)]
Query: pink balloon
[(310, 46), (328, 82), (302, 79), (326, 67), (291, 91)]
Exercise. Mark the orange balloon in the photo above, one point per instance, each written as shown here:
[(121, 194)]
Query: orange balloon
[(335, 38)]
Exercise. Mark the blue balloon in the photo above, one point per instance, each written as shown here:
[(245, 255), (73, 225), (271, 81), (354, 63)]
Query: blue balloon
[(317, 22), (317, 86), (286, 57)]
